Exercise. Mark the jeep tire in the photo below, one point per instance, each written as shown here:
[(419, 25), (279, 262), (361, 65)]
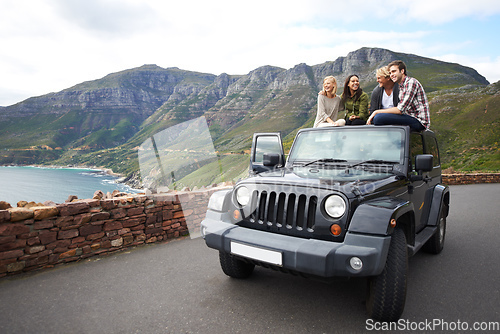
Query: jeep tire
[(387, 291), (436, 243), (234, 267)]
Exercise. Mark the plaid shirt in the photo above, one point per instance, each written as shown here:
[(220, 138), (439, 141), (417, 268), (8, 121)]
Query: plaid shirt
[(413, 101)]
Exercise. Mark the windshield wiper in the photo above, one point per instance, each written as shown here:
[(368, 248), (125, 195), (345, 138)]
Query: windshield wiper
[(373, 161), (323, 160)]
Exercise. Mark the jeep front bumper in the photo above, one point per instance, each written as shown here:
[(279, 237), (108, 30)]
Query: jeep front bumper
[(307, 256)]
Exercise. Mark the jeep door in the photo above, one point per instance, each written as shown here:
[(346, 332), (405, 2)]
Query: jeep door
[(417, 189), (431, 147), (267, 152)]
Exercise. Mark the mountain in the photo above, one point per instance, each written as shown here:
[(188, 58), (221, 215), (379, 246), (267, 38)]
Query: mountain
[(467, 123), (99, 113), (103, 122)]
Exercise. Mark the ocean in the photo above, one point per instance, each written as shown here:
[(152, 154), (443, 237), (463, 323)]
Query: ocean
[(40, 184)]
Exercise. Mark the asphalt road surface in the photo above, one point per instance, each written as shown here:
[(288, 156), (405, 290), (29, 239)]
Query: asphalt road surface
[(178, 287)]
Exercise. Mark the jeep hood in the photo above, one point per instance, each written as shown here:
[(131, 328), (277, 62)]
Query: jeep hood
[(357, 181)]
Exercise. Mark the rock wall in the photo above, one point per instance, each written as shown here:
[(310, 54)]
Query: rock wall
[(456, 179), (44, 236)]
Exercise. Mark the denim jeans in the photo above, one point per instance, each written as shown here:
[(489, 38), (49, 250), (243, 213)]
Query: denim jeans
[(395, 119)]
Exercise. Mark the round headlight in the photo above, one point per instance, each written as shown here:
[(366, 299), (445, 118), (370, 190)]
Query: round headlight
[(335, 206), (243, 196)]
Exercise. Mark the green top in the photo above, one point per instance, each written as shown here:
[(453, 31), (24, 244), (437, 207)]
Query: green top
[(358, 108)]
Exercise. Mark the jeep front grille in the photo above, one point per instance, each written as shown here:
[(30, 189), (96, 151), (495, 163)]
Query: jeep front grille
[(282, 210)]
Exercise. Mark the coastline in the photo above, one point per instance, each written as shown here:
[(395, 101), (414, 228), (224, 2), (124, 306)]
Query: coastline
[(133, 180), (107, 171), (120, 178), (39, 183)]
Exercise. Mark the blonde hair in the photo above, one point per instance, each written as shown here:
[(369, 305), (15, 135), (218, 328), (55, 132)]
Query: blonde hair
[(331, 77), (384, 71)]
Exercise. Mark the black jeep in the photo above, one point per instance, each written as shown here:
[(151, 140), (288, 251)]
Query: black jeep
[(348, 201)]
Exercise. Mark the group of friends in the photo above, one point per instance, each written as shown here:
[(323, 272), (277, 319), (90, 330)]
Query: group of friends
[(397, 100)]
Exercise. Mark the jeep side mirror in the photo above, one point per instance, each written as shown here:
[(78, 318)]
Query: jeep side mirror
[(271, 159), (266, 153), (424, 163)]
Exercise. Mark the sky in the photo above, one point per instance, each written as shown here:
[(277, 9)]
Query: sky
[(50, 45)]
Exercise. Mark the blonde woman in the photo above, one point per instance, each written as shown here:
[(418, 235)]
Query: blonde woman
[(386, 94), (328, 104)]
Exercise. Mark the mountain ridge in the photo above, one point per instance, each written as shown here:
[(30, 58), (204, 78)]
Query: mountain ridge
[(101, 122)]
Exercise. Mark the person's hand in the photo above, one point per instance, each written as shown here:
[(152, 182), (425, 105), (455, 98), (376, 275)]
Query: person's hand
[(369, 121), (321, 92), (352, 118)]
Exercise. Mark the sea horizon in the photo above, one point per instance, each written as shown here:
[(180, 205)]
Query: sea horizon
[(56, 183)]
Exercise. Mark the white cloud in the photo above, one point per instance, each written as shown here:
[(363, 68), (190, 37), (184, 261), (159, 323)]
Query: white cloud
[(49, 45), (443, 11), (110, 18), (397, 12)]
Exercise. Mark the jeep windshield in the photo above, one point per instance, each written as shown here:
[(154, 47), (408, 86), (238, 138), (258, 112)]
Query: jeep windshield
[(347, 147)]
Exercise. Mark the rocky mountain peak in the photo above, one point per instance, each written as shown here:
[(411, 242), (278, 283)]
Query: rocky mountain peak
[(150, 97)]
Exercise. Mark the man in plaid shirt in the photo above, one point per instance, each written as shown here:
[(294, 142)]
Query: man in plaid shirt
[(412, 109)]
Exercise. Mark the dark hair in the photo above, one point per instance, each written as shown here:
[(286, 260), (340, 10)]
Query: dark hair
[(399, 63), (347, 93)]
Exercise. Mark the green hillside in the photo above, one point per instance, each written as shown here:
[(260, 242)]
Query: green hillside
[(467, 124), (104, 122)]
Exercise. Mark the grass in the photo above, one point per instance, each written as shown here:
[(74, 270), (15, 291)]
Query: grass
[(467, 125), (229, 167), (466, 120)]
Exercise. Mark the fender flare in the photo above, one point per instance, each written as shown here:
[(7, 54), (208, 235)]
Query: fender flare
[(374, 216), (440, 197)]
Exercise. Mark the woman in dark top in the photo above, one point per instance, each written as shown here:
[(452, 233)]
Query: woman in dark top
[(386, 94)]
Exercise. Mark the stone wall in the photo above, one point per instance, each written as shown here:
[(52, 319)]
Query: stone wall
[(43, 236), (38, 237), (456, 179)]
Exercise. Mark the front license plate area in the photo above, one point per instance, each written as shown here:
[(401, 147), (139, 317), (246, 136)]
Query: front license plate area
[(257, 253)]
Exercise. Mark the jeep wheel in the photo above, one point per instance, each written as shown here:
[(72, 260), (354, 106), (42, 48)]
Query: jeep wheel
[(387, 291), (233, 267), (436, 243)]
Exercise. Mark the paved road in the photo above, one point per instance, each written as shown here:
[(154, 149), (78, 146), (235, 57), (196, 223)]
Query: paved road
[(178, 287)]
